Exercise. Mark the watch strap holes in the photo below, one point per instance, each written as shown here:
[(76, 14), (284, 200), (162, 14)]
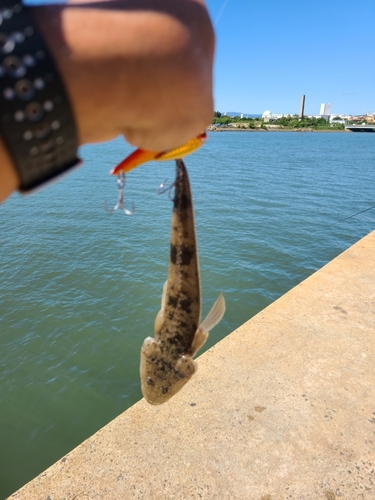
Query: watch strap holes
[(55, 125), (29, 60), (36, 117), (42, 130), (48, 146), (17, 37), (14, 67), (29, 31), (19, 115), (27, 135), (6, 44), (24, 90), (8, 93), (34, 111), (7, 14), (48, 106), (39, 83)]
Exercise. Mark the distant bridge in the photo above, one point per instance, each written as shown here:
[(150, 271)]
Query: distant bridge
[(360, 128)]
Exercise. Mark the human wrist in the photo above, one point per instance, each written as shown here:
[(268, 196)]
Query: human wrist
[(9, 180)]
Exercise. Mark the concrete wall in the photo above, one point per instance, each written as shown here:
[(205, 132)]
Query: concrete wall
[(283, 408)]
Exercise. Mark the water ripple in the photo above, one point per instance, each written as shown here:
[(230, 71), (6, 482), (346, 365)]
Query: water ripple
[(79, 289)]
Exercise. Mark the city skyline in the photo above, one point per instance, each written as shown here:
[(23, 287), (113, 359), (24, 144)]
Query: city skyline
[(270, 53)]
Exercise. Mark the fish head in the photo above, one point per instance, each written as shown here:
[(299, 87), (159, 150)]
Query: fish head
[(161, 377)]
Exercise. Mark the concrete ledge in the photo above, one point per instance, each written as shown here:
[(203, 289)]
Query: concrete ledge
[(283, 408)]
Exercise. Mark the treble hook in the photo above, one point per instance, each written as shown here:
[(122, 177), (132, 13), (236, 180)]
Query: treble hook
[(120, 202), (162, 189)]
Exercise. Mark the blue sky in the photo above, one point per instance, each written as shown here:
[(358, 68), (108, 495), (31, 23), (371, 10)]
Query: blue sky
[(270, 52)]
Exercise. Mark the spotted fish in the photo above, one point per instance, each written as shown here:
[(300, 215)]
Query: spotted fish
[(167, 359)]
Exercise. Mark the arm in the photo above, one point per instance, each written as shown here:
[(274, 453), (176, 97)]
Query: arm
[(142, 68)]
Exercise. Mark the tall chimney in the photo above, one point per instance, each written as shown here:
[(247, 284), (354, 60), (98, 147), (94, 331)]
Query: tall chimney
[(302, 107)]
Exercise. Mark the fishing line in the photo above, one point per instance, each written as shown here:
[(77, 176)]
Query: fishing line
[(354, 215), (320, 230), (224, 4)]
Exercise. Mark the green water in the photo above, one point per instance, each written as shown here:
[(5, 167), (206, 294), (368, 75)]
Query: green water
[(80, 289)]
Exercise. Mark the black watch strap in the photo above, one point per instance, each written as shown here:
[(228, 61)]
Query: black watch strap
[(36, 119)]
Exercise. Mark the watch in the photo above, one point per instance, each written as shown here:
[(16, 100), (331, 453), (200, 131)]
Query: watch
[(36, 118)]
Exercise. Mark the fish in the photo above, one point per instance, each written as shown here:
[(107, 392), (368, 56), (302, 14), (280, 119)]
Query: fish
[(167, 358), (140, 156)]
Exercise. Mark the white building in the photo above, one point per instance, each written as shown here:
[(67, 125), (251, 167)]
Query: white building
[(325, 110), (269, 117)]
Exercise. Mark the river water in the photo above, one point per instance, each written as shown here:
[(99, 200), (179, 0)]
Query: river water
[(80, 288)]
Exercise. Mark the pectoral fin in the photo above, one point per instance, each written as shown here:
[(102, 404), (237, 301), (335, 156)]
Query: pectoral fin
[(214, 316), (212, 319), (160, 316), (164, 295)]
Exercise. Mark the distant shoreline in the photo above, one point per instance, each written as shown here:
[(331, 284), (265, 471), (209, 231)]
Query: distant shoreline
[(233, 129)]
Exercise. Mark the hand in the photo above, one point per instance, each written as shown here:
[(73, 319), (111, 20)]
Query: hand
[(142, 68)]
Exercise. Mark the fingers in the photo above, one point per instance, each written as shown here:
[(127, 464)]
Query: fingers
[(142, 68)]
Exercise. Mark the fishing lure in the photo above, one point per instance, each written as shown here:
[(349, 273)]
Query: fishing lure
[(140, 156)]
